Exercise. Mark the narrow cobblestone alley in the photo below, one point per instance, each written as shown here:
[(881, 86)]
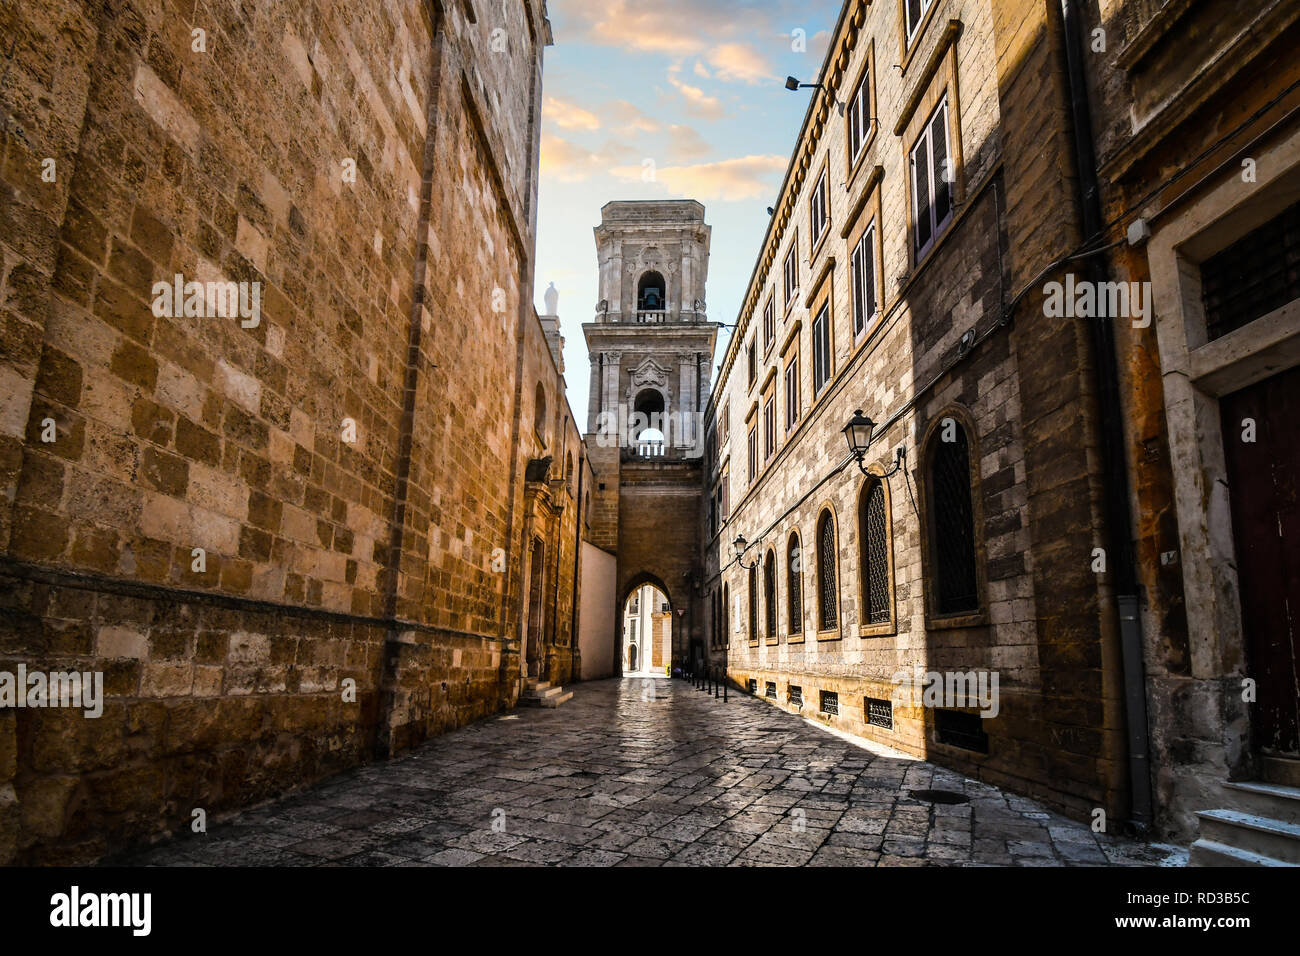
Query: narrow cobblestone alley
[(617, 777)]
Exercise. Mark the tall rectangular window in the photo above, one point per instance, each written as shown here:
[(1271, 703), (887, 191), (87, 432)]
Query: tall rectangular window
[(726, 491), (769, 324), (724, 424), (791, 271), (821, 344), (752, 359), (753, 453), (769, 426), (863, 267), (932, 177), (792, 393), (859, 118), (915, 12), (817, 210)]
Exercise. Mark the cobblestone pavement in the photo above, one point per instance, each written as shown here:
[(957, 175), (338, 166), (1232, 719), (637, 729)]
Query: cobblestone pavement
[(612, 779)]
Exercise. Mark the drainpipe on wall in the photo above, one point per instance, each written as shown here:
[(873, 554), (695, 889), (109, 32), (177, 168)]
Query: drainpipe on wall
[(1115, 490)]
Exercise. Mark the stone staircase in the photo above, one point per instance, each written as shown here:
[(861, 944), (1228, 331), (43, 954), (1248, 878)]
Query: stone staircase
[(541, 694), (1260, 826)]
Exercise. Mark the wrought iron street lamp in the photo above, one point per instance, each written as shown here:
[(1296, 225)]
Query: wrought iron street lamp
[(741, 546), (858, 434)]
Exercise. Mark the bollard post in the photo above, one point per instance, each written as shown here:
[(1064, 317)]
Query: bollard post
[(715, 686)]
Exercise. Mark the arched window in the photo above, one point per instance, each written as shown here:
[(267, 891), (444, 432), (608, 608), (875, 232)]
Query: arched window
[(539, 412), (769, 594), (753, 603), (874, 547), (651, 293), (793, 584), (952, 537), (568, 470), (726, 611), (827, 596)]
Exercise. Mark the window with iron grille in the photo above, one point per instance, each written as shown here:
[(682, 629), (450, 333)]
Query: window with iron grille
[(1257, 274), (932, 176), (793, 588), (769, 324), (859, 118), (873, 557), (726, 611), (953, 537), (769, 593), (830, 702), (880, 713), (862, 265), (792, 393), (770, 690), (753, 604), (753, 686), (790, 271), (821, 346), (795, 695), (817, 209), (828, 602), (957, 728)]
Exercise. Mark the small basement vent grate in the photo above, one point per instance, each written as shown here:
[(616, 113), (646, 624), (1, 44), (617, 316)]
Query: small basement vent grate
[(830, 702), (771, 689), (960, 729), (753, 686), (796, 695), (880, 713)]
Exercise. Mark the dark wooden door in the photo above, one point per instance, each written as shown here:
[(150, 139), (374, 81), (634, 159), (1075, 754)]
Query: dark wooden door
[(1264, 480)]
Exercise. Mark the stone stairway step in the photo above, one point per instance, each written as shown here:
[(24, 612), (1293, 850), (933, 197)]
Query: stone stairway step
[(543, 694), (1249, 831), (1209, 853), (1265, 799), (1280, 770)]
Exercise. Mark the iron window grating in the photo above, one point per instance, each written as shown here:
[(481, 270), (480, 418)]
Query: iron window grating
[(795, 695), (876, 566), (957, 728), (954, 524), (826, 574), (880, 713), (753, 686), (770, 690), (830, 702), (1257, 274)]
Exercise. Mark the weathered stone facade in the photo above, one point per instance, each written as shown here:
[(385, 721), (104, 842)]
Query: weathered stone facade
[(951, 357), (1198, 145), (1093, 440), (235, 520)]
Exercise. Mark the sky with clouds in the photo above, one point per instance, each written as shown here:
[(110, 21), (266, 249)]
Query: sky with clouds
[(694, 86)]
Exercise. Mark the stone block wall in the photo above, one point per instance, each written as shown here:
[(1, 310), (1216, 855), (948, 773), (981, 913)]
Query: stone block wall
[(1022, 391), (350, 465)]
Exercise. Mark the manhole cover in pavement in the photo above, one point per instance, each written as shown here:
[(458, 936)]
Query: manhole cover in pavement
[(938, 796)]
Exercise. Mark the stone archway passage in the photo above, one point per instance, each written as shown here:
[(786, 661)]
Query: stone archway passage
[(646, 628)]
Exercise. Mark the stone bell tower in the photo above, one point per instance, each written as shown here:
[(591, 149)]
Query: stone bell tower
[(651, 343), (651, 350)]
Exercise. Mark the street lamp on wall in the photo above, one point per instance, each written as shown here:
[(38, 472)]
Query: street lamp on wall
[(858, 433), (741, 546)]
